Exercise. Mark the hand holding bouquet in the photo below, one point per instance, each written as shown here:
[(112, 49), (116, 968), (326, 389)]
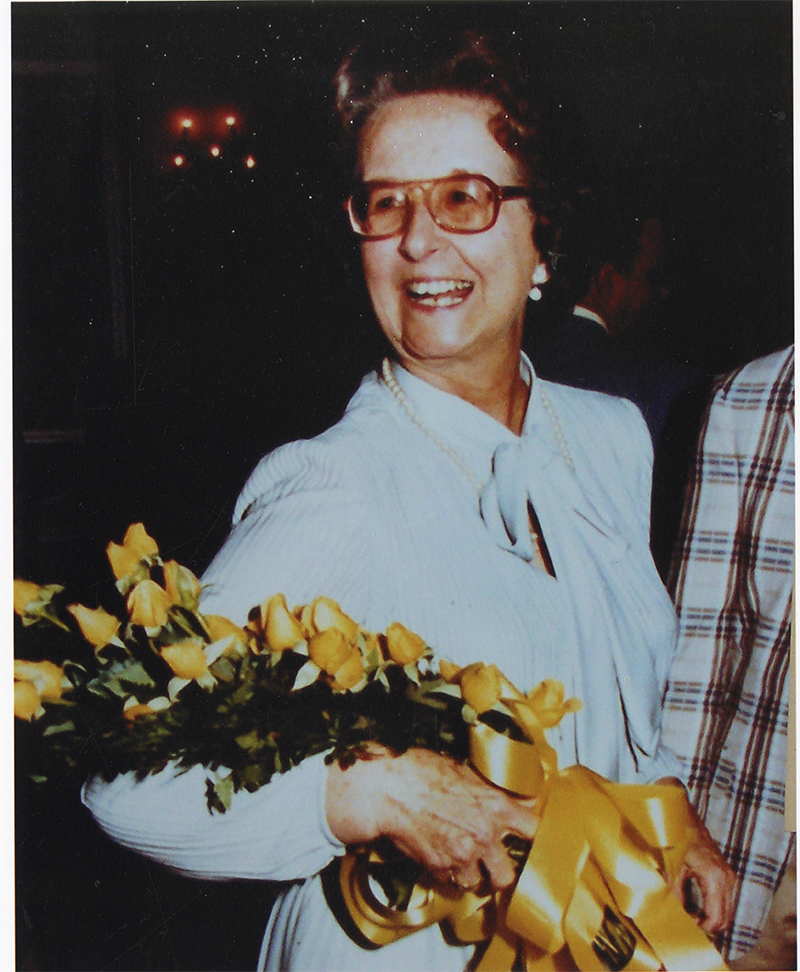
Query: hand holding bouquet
[(157, 682)]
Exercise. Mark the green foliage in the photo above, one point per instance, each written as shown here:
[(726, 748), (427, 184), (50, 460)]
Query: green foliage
[(243, 720)]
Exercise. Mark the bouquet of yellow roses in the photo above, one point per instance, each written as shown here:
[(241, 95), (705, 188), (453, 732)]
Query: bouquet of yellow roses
[(159, 682)]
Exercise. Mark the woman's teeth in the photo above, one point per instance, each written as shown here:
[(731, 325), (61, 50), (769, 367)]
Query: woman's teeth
[(439, 293)]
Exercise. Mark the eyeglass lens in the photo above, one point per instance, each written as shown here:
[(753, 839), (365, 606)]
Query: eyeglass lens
[(461, 204)]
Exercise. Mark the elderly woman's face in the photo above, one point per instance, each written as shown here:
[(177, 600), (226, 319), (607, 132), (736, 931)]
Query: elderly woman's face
[(440, 294)]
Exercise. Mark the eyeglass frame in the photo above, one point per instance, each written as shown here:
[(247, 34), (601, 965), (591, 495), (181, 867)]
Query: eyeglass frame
[(500, 194)]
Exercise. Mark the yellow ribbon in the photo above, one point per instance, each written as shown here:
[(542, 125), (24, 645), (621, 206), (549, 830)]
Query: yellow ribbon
[(594, 890), (598, 873)]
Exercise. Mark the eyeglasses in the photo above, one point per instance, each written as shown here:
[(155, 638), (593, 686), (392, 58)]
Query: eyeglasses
[(458, 204)]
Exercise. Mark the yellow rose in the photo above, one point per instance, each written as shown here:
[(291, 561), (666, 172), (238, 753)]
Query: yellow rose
[(48, 678), (137, 545), (326, 614), (181, 585), (304, 614), (220, 627), (97, 626), (448, 670), (481, 686), (281, 629), (403, 645), (350, 673), (34, 602), (186, 659), (123, 561), (27, 703), (25, 593), (329, 650), (138, 539), (148, 604)]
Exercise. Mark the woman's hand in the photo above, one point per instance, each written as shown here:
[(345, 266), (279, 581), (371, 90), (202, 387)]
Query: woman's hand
[(435, 810), (704, 864)]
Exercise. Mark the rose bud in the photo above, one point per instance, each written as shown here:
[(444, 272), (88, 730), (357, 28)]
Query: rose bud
[(186, 659), (181, 585), (329, 650), (97, 626), (137, 546), (148, 605), (27, 704), (403, 645), (48, 678), (220, 627), (350, 673), (448, 670), (25, 593), (326, 614), (481, 686), (281, 629)]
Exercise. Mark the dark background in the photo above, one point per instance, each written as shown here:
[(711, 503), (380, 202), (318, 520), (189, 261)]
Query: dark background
[(172, 325)]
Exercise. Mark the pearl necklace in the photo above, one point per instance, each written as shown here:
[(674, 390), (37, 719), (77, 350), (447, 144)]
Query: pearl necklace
[(413, 415), (391, 383)]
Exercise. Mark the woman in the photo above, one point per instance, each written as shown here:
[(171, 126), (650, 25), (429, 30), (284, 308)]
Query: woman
[(502, 518)]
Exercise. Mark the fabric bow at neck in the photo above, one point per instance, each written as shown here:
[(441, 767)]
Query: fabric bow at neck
[(528, 472)]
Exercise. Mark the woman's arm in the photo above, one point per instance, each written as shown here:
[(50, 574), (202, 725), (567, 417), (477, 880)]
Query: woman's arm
[(305, 534), (278, 833)]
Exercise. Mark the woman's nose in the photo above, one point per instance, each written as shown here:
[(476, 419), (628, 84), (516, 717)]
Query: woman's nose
[(421, 235)]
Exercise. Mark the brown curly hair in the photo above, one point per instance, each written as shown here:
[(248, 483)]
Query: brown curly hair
[(467, 63)]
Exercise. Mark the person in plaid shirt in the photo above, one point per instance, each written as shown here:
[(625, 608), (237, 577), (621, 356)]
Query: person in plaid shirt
[(727, 702)]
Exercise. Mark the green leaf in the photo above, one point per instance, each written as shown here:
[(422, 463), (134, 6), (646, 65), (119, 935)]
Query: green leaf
[(59, 727), (134, 673), (223, 670), (219, 793)]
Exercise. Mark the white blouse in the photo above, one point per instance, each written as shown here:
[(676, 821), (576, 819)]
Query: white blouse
[(377, 515)]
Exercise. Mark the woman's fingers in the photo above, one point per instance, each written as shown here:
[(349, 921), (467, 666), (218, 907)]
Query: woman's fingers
[(704, 865), (435, 810), (523, 818), (500, 870), (444, 816)]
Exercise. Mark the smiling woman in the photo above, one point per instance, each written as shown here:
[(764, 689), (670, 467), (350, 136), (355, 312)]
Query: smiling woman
[(451, 303), (503, 518)]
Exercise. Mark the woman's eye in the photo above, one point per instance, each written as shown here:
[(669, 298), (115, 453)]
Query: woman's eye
[(464, 195), (460, 197), (382, 204)]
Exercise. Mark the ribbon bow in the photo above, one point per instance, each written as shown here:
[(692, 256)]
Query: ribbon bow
[(594, 890)]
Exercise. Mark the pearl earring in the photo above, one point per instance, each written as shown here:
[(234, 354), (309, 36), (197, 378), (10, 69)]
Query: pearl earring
[(539, 276)]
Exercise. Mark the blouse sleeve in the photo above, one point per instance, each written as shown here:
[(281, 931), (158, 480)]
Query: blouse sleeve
[(623, 472), (300, 528), (637, 447), (278, 833), (633, 455)]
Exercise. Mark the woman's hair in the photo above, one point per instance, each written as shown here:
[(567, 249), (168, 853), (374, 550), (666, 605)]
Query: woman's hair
[(466, 63)]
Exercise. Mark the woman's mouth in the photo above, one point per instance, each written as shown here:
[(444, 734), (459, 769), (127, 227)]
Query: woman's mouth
[(438, 293)]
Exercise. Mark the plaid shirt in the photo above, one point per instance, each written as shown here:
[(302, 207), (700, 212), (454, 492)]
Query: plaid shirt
[(726, 704)]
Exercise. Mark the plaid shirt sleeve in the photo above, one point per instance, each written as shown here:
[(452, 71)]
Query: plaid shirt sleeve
[(726, 704)]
